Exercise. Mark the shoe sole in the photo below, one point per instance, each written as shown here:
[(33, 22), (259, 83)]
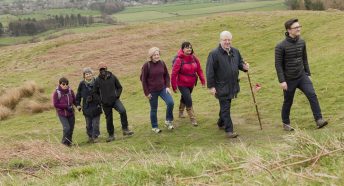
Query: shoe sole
[(319, 127), (234, 136), (128, 134)]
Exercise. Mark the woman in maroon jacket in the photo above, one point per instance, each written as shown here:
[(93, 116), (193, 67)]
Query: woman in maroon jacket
[(64, 99), (185, 73), (156, 82)]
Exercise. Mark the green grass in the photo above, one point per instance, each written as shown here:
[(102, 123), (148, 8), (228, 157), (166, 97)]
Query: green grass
[(146, 13), (188, 155)]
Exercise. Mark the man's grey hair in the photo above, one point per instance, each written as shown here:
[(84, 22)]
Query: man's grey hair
[(225, 33)]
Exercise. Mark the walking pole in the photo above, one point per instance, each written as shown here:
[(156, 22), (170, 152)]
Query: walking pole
[(254, 100)]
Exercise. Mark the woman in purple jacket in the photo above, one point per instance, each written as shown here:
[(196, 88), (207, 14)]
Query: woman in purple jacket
[(64, 99), (156, 82)]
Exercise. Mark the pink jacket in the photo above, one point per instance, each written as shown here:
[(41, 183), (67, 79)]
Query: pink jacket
[(186, 71)]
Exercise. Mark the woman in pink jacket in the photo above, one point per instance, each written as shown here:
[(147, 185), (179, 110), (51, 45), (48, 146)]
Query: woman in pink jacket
[(185, 73)]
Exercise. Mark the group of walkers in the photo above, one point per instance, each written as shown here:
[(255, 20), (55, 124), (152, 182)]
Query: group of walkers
[(102, 93)]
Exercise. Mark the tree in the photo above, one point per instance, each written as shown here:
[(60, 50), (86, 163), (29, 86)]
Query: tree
[(1, 29)]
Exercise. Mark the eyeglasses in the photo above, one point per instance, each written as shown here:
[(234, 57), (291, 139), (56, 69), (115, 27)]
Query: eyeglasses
[(189, 47), (64, 84), (297, 27)]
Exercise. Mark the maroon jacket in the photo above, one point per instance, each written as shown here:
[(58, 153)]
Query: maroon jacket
[(64, 104), (155, 77), (186, 74)]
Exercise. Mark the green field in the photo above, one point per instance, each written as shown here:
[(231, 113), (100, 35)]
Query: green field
[(31, 153), (171, 11), (146, 13)]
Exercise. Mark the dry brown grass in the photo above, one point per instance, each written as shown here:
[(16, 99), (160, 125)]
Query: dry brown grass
[(4, 112), (11, 97), (28, 98), (32, 106)]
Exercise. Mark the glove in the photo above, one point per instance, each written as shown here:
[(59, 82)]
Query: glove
[(79, 108), (89, 99), (70, 108)]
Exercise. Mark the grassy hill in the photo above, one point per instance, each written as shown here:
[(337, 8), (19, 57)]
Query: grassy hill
[(31, 153)]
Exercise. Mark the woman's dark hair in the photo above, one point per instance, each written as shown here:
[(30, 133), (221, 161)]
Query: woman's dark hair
[(63, 80), (187, 44)]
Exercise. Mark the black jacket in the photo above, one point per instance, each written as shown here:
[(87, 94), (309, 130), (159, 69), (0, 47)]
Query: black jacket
[(291, 59), (223, 72), (90, 104), (108, 88)]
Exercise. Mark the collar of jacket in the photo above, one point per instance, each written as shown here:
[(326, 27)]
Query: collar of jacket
[(107, 75), (225, 52), (290, 39)]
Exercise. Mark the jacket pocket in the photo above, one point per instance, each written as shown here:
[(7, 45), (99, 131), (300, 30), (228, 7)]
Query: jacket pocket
[(222, 89)]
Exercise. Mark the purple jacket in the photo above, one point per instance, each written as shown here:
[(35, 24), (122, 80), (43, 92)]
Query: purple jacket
[(64, 104)]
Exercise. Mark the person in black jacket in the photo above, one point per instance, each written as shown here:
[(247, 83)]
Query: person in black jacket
[(293, 72), (91, 107), (109, 89), (222, 70)]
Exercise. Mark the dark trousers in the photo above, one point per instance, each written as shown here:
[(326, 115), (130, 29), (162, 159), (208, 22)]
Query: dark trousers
[(186, 96), (92, 126), (118, 106), (306, 86), (225, 114), (68, 128)]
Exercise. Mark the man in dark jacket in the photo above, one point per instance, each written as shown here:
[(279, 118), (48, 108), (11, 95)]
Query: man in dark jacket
[(293, 72), (109, 89), (223, 66)]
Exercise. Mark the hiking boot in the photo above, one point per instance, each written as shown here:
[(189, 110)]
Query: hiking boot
[(231, 135), (321, 123), (90, 140), (127, 132), (169, 125), (191, 114), (95, 140), (156, 130), (181, 110), (287, 127), (110, 138)]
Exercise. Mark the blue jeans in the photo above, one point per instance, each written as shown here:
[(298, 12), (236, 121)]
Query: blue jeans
[(154, 106), (92, 126), (68, 128), (306, 86)]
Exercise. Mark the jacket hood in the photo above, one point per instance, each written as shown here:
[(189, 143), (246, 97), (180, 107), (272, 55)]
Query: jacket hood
[(183, 56)]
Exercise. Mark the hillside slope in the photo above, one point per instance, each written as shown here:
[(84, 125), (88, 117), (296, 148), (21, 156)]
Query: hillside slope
[(31, 152)]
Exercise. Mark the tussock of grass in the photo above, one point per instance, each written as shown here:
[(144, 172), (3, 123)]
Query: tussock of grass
[(4, 112), (17, 100), (32, 106), (11, 97)]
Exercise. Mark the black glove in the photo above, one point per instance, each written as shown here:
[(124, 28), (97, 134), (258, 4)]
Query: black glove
[(89, 99), (70, 108)]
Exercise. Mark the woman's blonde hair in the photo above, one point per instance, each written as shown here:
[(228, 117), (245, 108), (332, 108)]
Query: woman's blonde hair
[(151, 52)]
